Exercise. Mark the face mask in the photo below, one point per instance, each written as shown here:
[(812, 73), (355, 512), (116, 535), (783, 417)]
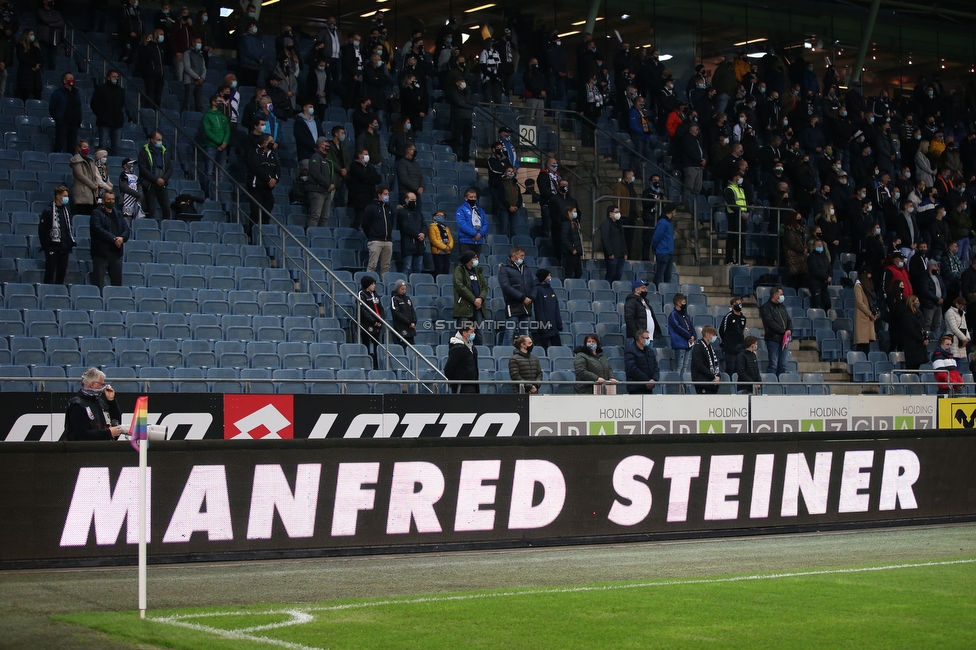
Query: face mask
[(471, 338), (831, 212), (92, 392), (591, 346), (519, 262), (474, 263), (737, 307), (909, 210), (254, 30), (646, 342), (781, 299), (553, 167), (869, 208), (616, 216), (165, 12), (575, 215), (114, 82), (564, 188), (304, 177), (233, 84), (109, 204), (472, 202), (463, 84), (408, 126), (779, 170), (198, 46), (342, 138), (819, 249), (742, 120), (438, 218), (877, 231), (899, 264), (160, 38), (205, 18), (897, 195), (448, 40), (738, 181), (712, 339), (101, 161), (64, 200), (930, 94), (84, 151), (862, 195), (385, 198), (366, 158)]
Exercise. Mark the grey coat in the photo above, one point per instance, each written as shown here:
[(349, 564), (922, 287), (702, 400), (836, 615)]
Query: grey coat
[(589, 367)]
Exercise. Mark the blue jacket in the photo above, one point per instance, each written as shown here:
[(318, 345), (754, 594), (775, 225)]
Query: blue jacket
[(681, 329), (663, 240), (636, 131), (466, 231), (58, 103), (516, 282), (640, 365), (250, 51), (547, 314)]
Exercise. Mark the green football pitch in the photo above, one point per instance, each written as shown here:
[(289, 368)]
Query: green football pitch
[(929, 604)]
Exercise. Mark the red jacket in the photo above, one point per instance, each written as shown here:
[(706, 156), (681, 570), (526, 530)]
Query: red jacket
[(899, 274)]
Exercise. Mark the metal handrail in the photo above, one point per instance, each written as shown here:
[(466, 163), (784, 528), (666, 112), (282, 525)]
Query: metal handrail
[(745, 233), (657, 215), (281, 227)]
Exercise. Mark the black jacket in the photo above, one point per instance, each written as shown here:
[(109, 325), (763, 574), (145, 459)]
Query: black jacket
[(411, 225), (732, 330), (635, 316), (363, 180), (925, 288), (818, 266), (462, 363), (640, 365), (262, 166), (148, 172), (303, 136), (776, 320), (48, 245), (747, 366), (612, 239), (105, 227), (85, 418), (546, 305), (107, 103), (571, 238), (378, 221), (404, 316), (152, 61), (517, 284), (702, 356)]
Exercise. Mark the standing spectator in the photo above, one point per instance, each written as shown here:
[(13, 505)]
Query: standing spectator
[(663, 244), (914, 335), (288, 70), (307, 131), (65, 109), (29, 64), (614, 246), (369, 140), (155, 169), (94, 413), (129, 190), (652, 210), (341, 162), (547, 184), (462, 359), (795, 252), (370, 317), (777, 330), (331, 38), (625, 194), (216, 140), (109, 231), (690, 158), (88, 182), (747, 367), (362, 117), (404, 315), (322, 180), (401, 138), (180, 37), (298, 194), (524, 367), (194, 75), (640, 363), (462, 110), (205, 31), (571, 243), (517, 291), (263, 172), (250, 55), (54, 233), (49, 26), (639, 125), (108, 105), (735, 211), (682, 333), (558, 204), (441, 244), (958, 328), (101, 168), (363, 179), (508, 201), (377, 83), (865, 311), (152, 68), (819, 266), (732, 330), (352, 64), (704, 363), (932, 294), (591, 366), (535, 91), (129, 30), (317, 83), (378, 223), (638, 313), (414, 102), (410, 176), (413, 235), (549, 322), (470, 292), (472, 223)]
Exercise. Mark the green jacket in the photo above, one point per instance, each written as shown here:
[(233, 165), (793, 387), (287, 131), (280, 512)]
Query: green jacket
[(216, 128), (321, 173), (463, 297)]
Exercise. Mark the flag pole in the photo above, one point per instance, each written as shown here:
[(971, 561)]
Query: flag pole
[(143, 461)]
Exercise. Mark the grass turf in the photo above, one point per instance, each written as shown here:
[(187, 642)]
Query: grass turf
[(899, 606)]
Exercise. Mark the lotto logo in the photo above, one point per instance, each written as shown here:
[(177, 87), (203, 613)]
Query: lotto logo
[(258, 417)]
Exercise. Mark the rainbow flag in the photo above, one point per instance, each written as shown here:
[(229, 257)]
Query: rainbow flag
[(140, 421)]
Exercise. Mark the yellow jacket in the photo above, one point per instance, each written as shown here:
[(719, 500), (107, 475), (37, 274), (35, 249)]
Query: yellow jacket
[(742, 68), (437, 245)]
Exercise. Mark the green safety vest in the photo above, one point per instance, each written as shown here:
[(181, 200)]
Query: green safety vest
[(740, 197)]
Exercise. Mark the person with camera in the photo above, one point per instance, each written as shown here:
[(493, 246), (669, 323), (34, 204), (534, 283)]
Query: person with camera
[(93, 414)]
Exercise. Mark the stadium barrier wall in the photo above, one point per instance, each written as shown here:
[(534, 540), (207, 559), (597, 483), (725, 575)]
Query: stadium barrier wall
[(69, 504)]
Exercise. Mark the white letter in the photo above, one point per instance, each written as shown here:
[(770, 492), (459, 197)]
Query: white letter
[(853, 480), (798, 480), (761, 483), (415, 423), (680, 469), (408, 502), (350, 498), (271, 490), (527, 473), (626, 485), (473, 493), (901, 470), (508, 421), (92, 499), (454, 421), (206, 484), (720, 486)]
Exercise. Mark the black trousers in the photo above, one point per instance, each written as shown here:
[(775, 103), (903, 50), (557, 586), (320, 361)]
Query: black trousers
[(461, 138), (151, 192), (65, 137), (55, 266), (102, 264), (154, 91), (263, 198)]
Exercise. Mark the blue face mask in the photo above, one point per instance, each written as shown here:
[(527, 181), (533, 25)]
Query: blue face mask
[(647, 342), (471, 337), (474, 264), (386, 198), (819, 249), (781, 299), (591, 346), (64, 200), (712, 339), (409, 126)]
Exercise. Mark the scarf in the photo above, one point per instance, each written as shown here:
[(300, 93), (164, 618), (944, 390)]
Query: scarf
[(60, 224)]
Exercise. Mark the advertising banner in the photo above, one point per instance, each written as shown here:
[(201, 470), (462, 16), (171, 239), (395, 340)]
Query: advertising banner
[(251, 499), (39, 417), (596, 415), (816, 413), (957, 413)]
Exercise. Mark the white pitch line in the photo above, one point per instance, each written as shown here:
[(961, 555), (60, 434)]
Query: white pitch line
[(300, 615)]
